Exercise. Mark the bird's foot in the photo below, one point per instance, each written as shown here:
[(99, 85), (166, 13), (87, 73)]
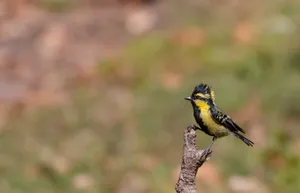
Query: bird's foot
[(206, 153), (207, 150), (194, 127)]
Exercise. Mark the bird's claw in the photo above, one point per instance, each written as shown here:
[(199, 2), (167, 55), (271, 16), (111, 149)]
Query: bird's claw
[(206, 153), (193, 126)]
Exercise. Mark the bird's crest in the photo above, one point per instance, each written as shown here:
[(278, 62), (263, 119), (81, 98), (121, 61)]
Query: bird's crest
[(204, 90)]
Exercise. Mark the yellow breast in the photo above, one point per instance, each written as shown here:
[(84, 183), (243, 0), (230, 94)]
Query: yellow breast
[(205, 115)]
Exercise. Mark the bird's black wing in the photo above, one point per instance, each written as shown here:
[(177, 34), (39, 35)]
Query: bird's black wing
[(225, 120)]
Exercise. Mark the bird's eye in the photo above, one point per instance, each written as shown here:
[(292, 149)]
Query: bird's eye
[(197, 97)]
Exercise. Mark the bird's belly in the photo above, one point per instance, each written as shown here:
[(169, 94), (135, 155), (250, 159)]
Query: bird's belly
[(213, 127)]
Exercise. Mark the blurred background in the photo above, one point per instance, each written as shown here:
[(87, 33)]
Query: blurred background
[(91, 93)]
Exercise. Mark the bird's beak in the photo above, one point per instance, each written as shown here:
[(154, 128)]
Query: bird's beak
[(188, 98)]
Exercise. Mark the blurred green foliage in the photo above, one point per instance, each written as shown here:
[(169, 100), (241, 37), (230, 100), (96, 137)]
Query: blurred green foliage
[(56, 5), (127, 134)]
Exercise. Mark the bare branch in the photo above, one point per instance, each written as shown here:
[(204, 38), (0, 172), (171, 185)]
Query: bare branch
[(192, 159)]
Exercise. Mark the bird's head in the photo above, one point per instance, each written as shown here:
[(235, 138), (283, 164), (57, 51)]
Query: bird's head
[(202, 92)]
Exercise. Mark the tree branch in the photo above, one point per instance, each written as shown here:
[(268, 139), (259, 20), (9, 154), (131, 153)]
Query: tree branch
[(192, 159)]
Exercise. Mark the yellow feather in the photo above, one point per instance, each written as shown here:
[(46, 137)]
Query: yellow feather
[(203, 95), (202, 105), (205, 114), (212, 93)]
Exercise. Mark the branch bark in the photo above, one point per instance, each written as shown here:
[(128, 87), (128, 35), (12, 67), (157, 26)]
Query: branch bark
[(192, 159)]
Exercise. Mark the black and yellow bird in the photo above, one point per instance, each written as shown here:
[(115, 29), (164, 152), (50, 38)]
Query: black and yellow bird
[(210, 118)]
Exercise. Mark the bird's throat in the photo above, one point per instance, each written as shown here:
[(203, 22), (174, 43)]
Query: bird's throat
[(202, 104)]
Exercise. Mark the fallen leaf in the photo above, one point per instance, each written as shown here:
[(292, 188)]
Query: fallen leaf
[(243, 33)]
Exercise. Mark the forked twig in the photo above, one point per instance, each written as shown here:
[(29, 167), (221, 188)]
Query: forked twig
[(192, 159)]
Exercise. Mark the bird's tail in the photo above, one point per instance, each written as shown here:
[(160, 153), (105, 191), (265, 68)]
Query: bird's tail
[(244, 139)]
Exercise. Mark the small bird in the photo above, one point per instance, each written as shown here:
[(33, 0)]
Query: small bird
[(210, 118)]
